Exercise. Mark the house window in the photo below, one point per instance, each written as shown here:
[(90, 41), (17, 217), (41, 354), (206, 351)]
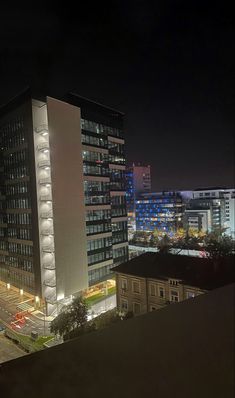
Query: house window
[(152, 290), (136, 287), (190, 295), (174, 296), (136, 308), (161, 292), (123, 285), (173, 282), (124, 305)]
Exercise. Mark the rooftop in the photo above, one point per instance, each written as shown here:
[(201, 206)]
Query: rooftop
[(195, 271), (184, 350)]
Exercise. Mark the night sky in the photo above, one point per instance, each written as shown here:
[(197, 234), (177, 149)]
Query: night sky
[(169, 65)]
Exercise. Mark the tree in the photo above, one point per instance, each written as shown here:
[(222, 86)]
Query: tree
[(165, 244), (218, 246), (61, 324), (71, 317)]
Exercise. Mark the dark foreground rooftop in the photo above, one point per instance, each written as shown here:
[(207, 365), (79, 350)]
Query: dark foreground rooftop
[(195, 271), (184, 350)]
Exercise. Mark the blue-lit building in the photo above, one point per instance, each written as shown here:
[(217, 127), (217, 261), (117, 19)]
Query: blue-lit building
[(162, 211), (138, 180)]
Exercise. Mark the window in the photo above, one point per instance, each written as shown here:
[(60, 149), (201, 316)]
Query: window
[(174, 296), (136, 308), (123, 285), (124, 305), (136, 287), (161, 292), (174, 282), (190, 295), (152, 289)]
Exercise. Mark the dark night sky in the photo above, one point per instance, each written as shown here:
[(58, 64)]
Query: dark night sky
[(169, 65)]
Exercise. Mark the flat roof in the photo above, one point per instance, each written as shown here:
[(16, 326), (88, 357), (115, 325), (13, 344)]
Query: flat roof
[(183, 350)]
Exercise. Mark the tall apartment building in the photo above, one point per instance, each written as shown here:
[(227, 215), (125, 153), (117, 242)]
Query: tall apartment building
[(210, 209), (63, 221), (160, 210), (138, 180)]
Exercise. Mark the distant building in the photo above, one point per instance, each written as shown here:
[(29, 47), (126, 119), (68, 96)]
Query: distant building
[(211, 209), (153, 280), (138, 180), (161, 210)]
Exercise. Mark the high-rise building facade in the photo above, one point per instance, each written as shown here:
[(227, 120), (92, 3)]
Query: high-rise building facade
[(63, 220), (138, 180), (161, 211)]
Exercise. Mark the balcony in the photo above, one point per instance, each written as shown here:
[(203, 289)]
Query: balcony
[(47, 231), (46, 197), (50, 265), (45, 180), (42, 129), (44, 163), (50, 282), (51, 299), (46, 214), (43, 145), (48, 248)]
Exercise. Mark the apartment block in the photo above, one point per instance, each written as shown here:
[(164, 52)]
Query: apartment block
[(152, 280)]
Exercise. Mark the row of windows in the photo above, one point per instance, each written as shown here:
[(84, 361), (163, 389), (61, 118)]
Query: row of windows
[(18, 172), (92, 187), (19, 248), (22, 203), (95, 170), (15, 189), (117, 186), (20, 233), (97, 199), (118, 200), (19, 280), (119, 236), (119, 212), (120, 252), (13, 142), (97, 228), (119, 226), (14, 158), (116, 147), (99, 128), (98, 274), (93, 215), (117, 159), (96, 141), (99, 257), (94, 157), (22, 218), (25, 265), (98, 243)]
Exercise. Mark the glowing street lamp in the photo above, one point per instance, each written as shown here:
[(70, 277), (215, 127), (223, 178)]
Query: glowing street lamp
[(21, 292), (8, 286)]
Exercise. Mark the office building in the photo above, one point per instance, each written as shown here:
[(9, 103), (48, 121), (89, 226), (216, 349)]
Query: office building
[(161, 210), (211, 209), (138, 180), (63, 221)]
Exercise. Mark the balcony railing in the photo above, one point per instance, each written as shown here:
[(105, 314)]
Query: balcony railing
[(44, 163), (46, 214), (47, 197), (48, 248), (50, 282), (47, 231), (43, 128), (50, 265), (51, 299), (45, 180), (43, 145)]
